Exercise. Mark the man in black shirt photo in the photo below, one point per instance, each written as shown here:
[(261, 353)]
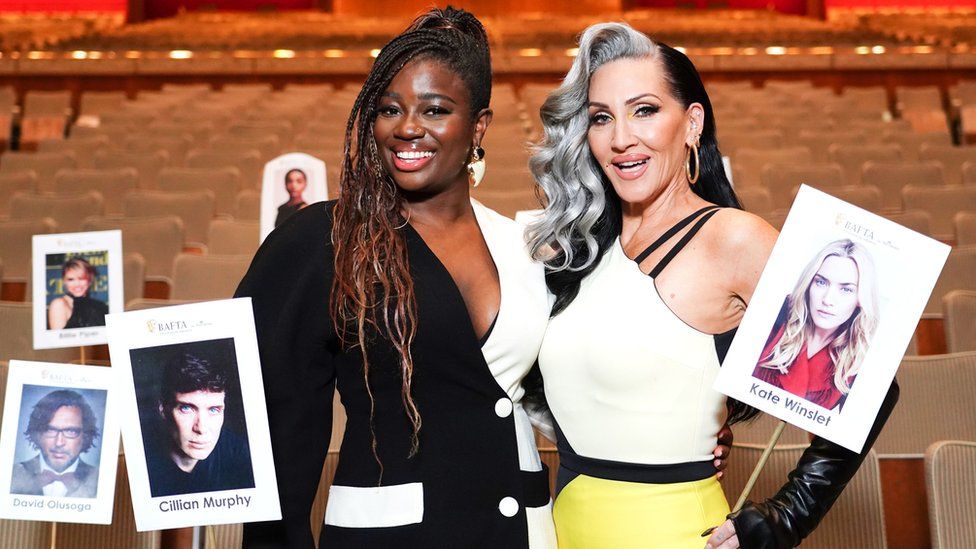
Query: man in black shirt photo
[(189, 451)]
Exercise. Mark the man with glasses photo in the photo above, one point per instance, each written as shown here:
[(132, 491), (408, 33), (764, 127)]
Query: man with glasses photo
[(62, 426)]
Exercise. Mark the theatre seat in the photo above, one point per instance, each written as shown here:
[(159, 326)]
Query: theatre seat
[(935, 404), (959, 313), (68, 211), (13, 183), (17, 342), (965, 223), (206, 277), (950, 478), (855, 520)]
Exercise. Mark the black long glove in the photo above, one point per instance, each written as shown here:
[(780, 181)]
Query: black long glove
[(823, 471)]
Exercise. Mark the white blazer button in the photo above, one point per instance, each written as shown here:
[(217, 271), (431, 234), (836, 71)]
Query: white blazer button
[(508, 506), (503, 408)]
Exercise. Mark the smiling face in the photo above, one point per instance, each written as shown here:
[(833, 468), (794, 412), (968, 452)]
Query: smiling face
[(638, 131), (76, 282), (196, 420), (424, 130), (832, 296), (61, 442), (295, 184)]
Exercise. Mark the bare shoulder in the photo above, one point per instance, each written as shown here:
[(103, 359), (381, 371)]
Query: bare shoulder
[(736, 232), (741, 244), (60, 304)]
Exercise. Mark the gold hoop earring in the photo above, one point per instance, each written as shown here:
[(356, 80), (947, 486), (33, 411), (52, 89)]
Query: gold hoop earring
[(405, 221), (476, 166), (692, 178)]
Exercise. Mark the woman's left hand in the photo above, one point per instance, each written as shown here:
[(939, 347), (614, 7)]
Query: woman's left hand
[(723, 537), (723, 449)]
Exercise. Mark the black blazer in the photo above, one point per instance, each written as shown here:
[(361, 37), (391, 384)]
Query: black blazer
[(465, 487)]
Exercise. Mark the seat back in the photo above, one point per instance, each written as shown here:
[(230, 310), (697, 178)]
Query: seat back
[(959, 314), (856, 518), (957, 274), (234, 237), (112, 185), (862, 196), (942, 204), (853, 157), (950, 482), (935, 404), (247, 206), (147, 164), (207, 277), (951, 157), (68, 211), (157, 239), (134, 266), (247, 161), (755, 200), (196, 209), (782, 181), (916, 220), (45, 165), (16, 244), (13, 183), (225, 183), (892, 177), (121, 533), (83, 150), (965, 223), (748, 162), (17, 336)]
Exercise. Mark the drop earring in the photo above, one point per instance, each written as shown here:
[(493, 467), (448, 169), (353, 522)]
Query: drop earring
[(476, 166)]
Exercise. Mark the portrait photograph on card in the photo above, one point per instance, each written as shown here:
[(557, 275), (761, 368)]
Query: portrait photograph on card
[(77, 280), (192, 417), (59, 443), (831, 317), (291, 182), (194, 420)]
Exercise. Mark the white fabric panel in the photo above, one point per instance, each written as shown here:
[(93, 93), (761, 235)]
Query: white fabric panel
[(375, 507)]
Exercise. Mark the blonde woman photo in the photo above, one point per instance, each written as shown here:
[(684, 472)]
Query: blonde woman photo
[(816, 346)]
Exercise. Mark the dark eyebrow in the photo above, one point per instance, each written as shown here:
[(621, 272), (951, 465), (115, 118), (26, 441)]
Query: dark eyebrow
[(433, 96), (630, 101)]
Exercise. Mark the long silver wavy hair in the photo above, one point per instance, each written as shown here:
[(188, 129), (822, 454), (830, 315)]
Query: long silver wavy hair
[(562, 163)]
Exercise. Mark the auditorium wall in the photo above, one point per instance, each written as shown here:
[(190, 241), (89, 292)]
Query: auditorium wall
[(481, 7), (796, 7), (45, 6)]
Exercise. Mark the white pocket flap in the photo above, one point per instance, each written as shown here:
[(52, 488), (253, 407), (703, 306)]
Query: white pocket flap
[(375, 507)]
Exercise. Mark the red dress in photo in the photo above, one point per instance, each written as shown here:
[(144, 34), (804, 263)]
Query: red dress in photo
[(810, 378)]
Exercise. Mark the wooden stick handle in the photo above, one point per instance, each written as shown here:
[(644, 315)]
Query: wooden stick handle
[(759, 466), (83, 353), (211, 537), (54, 535)]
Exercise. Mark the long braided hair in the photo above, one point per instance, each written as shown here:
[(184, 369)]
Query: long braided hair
[(372, 290)]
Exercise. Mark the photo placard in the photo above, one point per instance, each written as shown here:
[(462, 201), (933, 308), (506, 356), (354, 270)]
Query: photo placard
[(291, 182), (77, 280), (59, 443), (831, 317), (194, 419)]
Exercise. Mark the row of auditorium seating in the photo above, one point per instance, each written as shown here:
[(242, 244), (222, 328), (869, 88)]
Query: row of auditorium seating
[(297, 30), (312, 30)]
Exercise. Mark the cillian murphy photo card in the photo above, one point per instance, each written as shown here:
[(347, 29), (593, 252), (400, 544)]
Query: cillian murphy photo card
[(59, 443), (291, 182), (194, 419), (829, 322), (77, 280)]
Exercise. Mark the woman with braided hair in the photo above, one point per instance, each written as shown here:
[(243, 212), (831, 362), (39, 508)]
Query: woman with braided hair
[(394, 294)]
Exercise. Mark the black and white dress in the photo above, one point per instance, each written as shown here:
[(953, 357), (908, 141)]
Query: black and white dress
[(477, 480)]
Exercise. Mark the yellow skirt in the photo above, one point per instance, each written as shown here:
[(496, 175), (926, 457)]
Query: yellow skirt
[(593, 513)]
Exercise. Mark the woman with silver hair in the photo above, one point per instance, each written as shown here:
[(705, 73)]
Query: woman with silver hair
[(652, 264), (815, 348)]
